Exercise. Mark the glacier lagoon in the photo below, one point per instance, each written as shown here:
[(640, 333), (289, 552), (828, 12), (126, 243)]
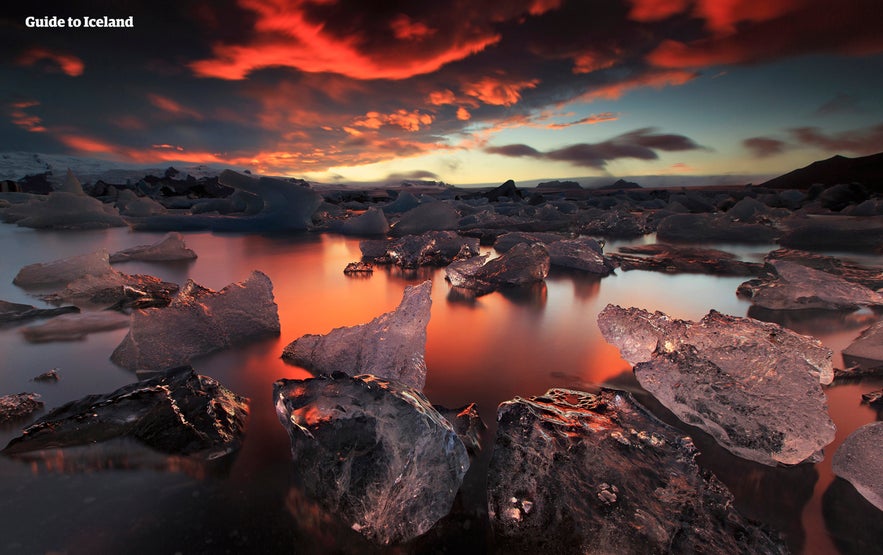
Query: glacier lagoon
[(518, 342)]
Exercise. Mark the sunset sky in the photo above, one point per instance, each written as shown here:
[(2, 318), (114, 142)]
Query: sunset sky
[(464, 91)]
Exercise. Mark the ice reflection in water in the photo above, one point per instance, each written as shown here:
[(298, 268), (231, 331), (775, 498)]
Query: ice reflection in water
[(485, 350)]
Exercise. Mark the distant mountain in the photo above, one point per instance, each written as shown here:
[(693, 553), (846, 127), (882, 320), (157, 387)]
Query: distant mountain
[(867, 170), (620, 184), (16, 165)]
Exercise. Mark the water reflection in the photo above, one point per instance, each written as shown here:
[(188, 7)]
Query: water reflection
[(854, 524), (815, 322)]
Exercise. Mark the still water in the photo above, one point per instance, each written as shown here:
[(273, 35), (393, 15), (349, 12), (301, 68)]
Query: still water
[(518, 343)]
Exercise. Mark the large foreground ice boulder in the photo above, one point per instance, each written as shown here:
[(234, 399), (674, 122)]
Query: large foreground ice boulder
[(178, 413), (858, 461), (372, 453), (199, 321), (753, 386), (170, 248), (390, 346), (574, 472), (867, 350)]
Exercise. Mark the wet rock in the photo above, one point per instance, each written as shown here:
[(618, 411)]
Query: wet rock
[(582, 253), (431, 216), (17, 312), (371, 452), (867, 350), (171, 247), (574, 472), (358, 268), (63, 271), (285, 205), (507, 191), (712, 228), (522, 265), (857, 460), (792, 286), (390, 346), (178, 413), (74, 327), (873, 398), (18, 405), (671, 258), (48, 376), (199, 321), (433, 248), (753, 386)]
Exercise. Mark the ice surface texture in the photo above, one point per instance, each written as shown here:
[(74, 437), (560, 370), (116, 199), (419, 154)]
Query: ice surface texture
[(753, 386), (430, 216), (63, 271), (18, 405), (199, 321), (433, 248), (63, 210), (523, 264), (170, 247), (798, 287), (372, 452), (867, 349), (858, 461), (390, 346), (17, 312), (574, 472), (178, 413)]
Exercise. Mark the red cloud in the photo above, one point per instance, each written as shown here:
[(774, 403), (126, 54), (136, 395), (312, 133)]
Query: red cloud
[(744, 31), (173, 107), (290, 35), (655, 10), (67, 63), (498, 92), (20, 116), (867, 140), (440, 98), (655, 79), (409, 121)]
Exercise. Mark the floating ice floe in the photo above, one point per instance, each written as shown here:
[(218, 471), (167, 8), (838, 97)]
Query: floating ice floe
[(867, 350), (433, 248), (63, 271), (18, 405), (575, 472), (523, 264), (170, 248), (63, 210), (797, 287), (73, 327), (372, 222), (755, 387), (390, 346), (373, 453), (199, 321), (17, 312), (582, 253), (177, 413), (857, 460), (431, 216)]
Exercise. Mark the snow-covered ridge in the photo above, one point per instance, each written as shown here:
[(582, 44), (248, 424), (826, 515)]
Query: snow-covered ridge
[(16, 165)]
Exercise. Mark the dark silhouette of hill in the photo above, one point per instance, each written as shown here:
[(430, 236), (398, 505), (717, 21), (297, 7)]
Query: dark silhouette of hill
[(867, 170)]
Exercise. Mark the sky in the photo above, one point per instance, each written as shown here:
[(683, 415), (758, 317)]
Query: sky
[(462, 91)]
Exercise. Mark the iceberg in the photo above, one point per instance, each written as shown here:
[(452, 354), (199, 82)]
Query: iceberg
[(523, 264), (64, 271), (177, 413), (754, 387), (64, 210), (171, 247), (373, 453), (858, 461), (199, 321), (390, 346), (430, 216), (372, 222), (576, 472)]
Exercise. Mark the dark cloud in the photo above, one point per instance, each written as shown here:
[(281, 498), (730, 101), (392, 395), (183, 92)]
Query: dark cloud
[(867, 140), (640, 144), (413, 175), (764, 147), (290, 86), (842, 103)]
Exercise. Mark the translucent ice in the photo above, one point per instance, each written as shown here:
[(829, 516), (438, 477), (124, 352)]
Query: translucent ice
[(523, 264), (63, 271), (431, 216), (199, 321), (858, 461), (390, 346), (372, 453), (63, 210), (753, 386), (372, 222)]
